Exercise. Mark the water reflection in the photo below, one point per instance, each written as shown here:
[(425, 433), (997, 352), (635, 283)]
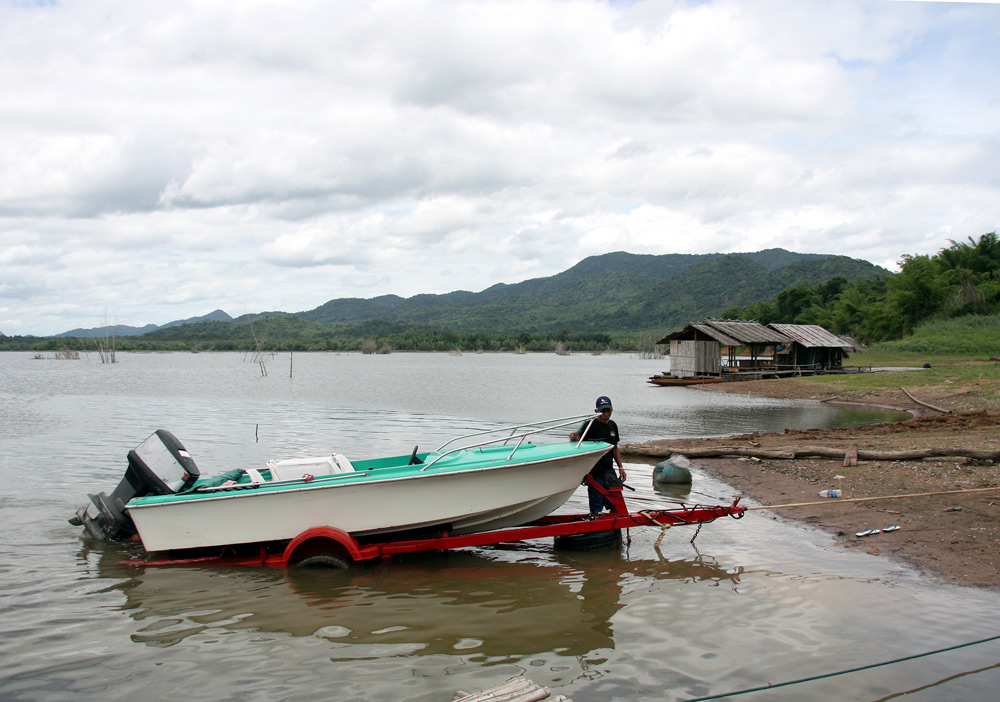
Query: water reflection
[(672, 491), (489, 605), (438, 604), (700, 568)]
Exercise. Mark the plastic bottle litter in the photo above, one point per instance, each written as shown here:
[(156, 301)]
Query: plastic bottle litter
[(829, 493)]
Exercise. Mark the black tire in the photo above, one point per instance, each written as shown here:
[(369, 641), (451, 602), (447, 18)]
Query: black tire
[(591, 541), (324, 560)]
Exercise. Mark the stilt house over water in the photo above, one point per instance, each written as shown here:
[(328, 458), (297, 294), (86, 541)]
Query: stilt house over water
[(730, 350)]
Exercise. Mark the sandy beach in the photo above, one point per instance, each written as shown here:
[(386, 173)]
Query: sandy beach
[(952, 537)]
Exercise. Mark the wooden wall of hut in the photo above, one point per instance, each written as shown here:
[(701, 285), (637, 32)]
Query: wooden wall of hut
[(691, 359)]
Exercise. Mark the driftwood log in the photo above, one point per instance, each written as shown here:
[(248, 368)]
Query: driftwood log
[(660, 450), (925, 404)]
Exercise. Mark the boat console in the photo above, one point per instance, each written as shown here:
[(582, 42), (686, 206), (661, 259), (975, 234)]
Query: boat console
[(160, 465)]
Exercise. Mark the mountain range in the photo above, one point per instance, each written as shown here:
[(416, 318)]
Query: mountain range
[(614, 292), (125, 330)]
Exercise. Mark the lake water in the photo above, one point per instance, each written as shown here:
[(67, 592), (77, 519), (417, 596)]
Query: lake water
[(752, 602)]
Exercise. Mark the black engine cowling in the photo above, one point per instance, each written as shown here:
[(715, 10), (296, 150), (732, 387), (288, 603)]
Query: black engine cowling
[(160, 465)]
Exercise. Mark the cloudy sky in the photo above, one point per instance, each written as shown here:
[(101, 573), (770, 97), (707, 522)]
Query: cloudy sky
[(162, 160)]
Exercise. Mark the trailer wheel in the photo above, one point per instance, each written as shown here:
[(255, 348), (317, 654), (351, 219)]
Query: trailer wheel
[(591, 541), (324, 560)]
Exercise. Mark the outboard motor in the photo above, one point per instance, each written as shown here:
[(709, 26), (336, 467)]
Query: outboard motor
[(160, 465)]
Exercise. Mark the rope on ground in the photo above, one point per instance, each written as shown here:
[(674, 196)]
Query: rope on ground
[(843, 672), (871, 499)]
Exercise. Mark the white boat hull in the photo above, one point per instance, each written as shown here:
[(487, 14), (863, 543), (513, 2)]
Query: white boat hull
[(474, 500)]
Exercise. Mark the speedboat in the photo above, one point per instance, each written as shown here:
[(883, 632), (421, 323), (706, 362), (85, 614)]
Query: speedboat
[(479, 482)]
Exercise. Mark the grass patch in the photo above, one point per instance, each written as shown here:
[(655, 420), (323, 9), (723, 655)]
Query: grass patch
[(957, 350), (943, 371), (962, 337)]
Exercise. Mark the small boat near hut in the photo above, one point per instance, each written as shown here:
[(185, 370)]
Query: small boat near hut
[(669, 380), (480, 482)]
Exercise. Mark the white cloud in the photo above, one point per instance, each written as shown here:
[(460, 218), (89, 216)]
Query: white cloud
[(161, 160)]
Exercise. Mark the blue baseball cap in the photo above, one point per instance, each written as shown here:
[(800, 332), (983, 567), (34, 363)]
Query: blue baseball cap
[(603, 402)]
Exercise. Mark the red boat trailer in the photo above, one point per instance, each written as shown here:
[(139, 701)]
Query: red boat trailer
[(330, 541)]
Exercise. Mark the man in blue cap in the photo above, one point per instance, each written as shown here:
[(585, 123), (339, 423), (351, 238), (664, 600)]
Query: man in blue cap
[(604, 429)]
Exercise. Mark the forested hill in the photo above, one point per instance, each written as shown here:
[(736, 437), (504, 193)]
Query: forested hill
[(125, 330), (615, 292), (612, 299)]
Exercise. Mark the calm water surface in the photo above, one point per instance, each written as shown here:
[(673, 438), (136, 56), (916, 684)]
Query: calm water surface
[(751, 602)]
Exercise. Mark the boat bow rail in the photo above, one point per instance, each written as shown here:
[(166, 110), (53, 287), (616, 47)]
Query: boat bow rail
[(539, 428)]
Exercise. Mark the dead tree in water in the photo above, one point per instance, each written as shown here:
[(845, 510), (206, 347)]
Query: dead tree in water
[(648, 347), (106, 344), (258, 355)]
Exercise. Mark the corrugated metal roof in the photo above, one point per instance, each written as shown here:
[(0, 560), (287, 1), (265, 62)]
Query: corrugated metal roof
[(704, 329), (679, 334), (811, 336), (850, 343), (730, 333), (723, 339), (748, 332)]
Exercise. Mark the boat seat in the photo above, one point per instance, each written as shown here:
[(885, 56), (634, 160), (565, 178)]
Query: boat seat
[(297, 468), (343, 463), (255, 477)]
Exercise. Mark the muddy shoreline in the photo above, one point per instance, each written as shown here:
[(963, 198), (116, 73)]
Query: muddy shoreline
[(952, 538)]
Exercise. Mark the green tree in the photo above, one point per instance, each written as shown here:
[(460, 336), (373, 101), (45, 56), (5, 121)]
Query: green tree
[(915, 294)]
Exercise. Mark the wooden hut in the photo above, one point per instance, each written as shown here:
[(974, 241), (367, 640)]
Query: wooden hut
[(755, 352), (695, 352), (813, 348), (715, 347), (716, 350)]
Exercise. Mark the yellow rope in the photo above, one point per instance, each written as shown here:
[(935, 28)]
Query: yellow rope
[(869, 499), (652, 520)]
